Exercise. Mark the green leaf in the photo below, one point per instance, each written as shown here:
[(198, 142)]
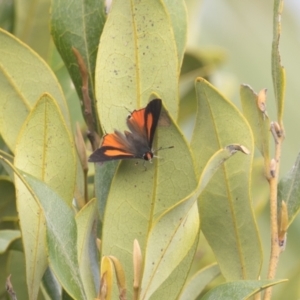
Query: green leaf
[(175, 234), (7, 237), (87, 250), (32, 25), (34, 246), (289, 191), (104, 174), (78, 24), (239, 289), (44, 149), (169, 250), (24, 77), (278, 71), (32, 223), (178, 14), (226, 212), (260, 124), (199, 281), (138, 197), (136, 57), (61, 237), (169, 241), (170, 288)]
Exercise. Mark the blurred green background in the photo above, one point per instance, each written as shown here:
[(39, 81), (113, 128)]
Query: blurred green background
[(243, 30)]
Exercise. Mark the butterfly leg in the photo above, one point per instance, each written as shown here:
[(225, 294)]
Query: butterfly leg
[(144, 165)]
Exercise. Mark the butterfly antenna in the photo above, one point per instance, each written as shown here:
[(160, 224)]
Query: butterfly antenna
[(162, 148), (129, 111), (144, 165)]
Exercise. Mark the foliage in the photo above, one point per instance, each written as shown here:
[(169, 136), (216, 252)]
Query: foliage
[(119, 229)]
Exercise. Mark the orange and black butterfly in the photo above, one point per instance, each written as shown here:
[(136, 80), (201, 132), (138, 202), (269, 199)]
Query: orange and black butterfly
[(136, 143)]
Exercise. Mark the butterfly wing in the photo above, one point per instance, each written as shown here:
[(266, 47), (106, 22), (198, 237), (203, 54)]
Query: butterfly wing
[(135, 144), (152, 114), (114, 146), (143, 122)]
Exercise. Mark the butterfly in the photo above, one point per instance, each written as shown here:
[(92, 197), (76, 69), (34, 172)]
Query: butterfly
[(136, 143)]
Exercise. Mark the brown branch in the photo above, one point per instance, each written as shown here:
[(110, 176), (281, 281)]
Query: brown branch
[(87, 102), (273, 182)]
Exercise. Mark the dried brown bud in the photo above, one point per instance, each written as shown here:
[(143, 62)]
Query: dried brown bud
[(261, 101)]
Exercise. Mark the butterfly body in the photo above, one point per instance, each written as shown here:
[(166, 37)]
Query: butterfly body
[(136, 143)]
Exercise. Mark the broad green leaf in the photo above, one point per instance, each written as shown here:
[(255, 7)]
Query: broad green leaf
[(32, 25), (34, 236), (260, 124), (24, 77), (178, 15), (61, 237), (289, 191), (32, 222), (7, 237), (170, 288), (169, 241), (137, 197), (213, 165), (87, 250), (278, 71), (44, 149), (78, 24), (33, 232), (199, 281), (104, 174), (239, 289), (175, 233), (226, 212), (136, 57)]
